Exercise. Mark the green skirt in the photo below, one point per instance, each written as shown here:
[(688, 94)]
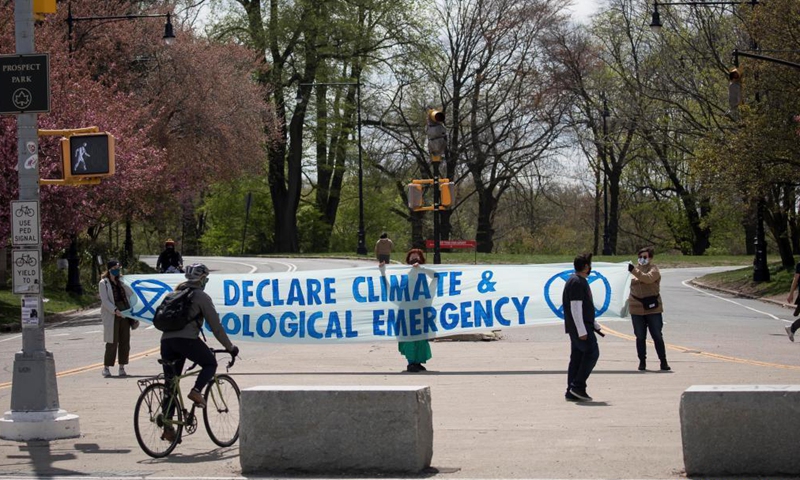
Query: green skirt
[(415, 352)]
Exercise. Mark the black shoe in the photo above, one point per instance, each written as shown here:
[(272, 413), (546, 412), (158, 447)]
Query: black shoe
[(169, 434), (422, 367), (570, 397), (665, 366), (581, 394), (413, 367), (642, 365), (797, 310)]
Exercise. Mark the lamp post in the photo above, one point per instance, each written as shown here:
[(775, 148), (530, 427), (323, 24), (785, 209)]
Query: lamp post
[(760, 268), (169, 34), (361, 249), (606, 244)]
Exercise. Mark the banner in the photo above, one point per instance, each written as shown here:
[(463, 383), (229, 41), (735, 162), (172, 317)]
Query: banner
[(396, 302)]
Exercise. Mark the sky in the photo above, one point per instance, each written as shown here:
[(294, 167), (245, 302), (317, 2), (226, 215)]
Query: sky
[(584, 8)]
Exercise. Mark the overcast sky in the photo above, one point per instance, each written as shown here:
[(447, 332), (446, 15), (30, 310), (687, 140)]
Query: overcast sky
[(584, 8)]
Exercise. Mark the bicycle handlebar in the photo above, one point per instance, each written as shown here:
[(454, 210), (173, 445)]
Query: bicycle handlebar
[(215, 351)]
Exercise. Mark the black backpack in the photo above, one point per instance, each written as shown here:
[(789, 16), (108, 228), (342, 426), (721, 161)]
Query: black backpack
[(173, 313)]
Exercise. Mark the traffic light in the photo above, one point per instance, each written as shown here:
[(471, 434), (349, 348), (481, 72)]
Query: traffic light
[(447, 193), (437, 135), (87, 156), (415, 200), (41, 7), (735, 91)]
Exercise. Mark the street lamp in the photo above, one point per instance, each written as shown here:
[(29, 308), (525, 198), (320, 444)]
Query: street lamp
[(656, 25), (760, 268), (606, 244), (169, 33), (361, 249)]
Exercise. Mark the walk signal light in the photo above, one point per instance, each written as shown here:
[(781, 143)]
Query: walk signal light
[(437, 134), (415, 196), (447, 193), (86, 156)]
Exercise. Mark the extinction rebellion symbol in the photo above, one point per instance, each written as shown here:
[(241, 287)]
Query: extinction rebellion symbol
[(598, 283)]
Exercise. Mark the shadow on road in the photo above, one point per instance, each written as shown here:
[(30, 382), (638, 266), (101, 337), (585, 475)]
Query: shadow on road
[(39, 455)]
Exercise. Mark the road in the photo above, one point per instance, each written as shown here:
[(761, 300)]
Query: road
[(498, 406)]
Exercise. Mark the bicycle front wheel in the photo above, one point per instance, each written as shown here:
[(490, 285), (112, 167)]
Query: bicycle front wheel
[(150, 420), (221, 415)]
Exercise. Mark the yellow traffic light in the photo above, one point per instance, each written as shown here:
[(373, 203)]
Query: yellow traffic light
[(41, 7), (87, 156), (447, 193), (437, 134)]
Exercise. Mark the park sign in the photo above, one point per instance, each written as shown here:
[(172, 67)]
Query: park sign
[(24, 84)]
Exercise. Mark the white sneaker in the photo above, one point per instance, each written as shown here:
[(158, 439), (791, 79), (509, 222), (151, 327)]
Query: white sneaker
[(122, 371), (106, 372), (789, 332)]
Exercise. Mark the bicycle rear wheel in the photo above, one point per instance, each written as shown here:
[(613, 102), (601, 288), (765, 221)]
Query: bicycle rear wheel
[(149, 421), (221, 415)]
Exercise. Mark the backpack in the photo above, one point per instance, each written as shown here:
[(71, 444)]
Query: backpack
[(173, 313)]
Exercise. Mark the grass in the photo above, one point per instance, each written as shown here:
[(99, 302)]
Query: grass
[(58, 301), (741, 280)]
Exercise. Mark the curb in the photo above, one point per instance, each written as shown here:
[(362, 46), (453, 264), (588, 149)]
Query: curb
[(697, 284)]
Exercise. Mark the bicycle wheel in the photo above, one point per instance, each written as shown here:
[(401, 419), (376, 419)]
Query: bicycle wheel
[(221, 415), (149, 421)]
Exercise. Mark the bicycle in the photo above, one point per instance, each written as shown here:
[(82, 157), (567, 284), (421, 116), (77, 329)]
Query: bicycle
[(152, 415), (25, 259)]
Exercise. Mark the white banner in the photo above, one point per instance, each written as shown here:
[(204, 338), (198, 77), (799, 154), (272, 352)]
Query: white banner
[(394, 303)]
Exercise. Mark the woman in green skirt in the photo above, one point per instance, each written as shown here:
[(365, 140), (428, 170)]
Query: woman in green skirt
[(418, 352)]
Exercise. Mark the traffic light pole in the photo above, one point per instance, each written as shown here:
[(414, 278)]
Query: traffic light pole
[(35, 412), (437, 201)]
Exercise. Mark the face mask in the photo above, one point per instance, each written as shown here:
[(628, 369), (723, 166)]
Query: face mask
[(204, 282), (170, 247), (115, 272), (589, 271), (643, 261), (414, 260)]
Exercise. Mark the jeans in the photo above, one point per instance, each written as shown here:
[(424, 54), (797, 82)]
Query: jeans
[(181, 349), (582, 359), (641, 324)]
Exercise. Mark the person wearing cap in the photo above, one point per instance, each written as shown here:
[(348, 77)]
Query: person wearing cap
[(170, 260), (114, 299), (180, 345)]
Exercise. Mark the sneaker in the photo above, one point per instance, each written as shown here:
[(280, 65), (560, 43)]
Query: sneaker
[(581, 394), (665, 366), (122, 372), (169, 434), (197, 398), (106, 372), (789, 332), (642, 365), (422, 367), (413, 367), (797, 310), (570, 397)]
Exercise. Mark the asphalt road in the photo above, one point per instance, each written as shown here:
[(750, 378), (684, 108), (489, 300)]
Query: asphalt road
[(498, 407)]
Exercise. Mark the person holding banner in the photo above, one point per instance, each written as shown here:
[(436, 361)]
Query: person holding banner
[(645, 306), (580, 325), (114, 295), (418, 352)]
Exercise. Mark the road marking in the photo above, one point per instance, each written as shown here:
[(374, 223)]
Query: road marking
[(10, 338), (730, 301), (95, 366)]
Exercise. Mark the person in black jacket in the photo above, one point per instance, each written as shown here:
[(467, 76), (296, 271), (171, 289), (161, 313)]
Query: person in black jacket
[(170, 260), (580, 325)]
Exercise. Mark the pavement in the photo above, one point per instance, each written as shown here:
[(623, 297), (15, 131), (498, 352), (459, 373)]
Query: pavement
[(498, 407)]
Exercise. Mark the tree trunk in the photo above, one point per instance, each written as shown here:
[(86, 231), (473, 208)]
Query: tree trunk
[(485, 234), (128, 242), (613, 208), (777, 218)]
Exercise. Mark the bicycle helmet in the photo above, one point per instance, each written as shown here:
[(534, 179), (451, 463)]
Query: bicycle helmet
[(169, 242), (196, 272)]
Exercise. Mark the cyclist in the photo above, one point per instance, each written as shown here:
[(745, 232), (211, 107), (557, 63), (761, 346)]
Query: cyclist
[(170, 260), (178, 346)]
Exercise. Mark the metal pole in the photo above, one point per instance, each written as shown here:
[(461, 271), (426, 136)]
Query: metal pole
[(362, 247), (606, 244), (35, 412), (437, 255), (248, 200)]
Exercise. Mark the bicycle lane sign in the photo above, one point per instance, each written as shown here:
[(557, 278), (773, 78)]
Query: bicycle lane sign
[(25, 223), (27, 273)]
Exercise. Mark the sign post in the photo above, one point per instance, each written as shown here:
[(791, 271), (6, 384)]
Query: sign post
[(35, 411)]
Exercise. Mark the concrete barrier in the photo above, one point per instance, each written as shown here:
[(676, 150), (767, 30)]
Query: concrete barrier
[(741, 429), (326, 429)]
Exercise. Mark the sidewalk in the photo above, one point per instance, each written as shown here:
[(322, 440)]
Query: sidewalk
[(498, 408)]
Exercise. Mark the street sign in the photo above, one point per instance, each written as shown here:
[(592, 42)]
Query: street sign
[(24, 84), (25, 223), (452, 244), (27, 272)]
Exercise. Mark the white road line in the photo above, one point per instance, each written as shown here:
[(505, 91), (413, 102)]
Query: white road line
[(290, 267), (10, 338), (685, 284), (253, 268)]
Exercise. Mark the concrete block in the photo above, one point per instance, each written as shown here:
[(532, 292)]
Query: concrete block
[(741, 429), (333, 429)]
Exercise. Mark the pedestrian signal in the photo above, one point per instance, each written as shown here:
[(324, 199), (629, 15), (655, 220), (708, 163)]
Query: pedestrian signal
[(415, 196), (447, 193), (88, 156)]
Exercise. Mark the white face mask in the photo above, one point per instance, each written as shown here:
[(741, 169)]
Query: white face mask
[(644, 261)]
